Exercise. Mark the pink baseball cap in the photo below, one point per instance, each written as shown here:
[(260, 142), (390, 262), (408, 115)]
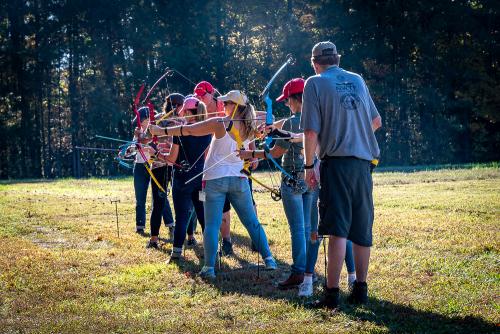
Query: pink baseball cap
[(203, 87), (190, 102), (294, 86)]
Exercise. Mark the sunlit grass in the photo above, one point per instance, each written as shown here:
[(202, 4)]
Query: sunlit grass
[(435, 263)]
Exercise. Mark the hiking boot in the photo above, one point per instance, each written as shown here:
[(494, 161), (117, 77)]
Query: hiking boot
[(152, 244), (359, 293), (306, 289), (270, 263), (293, 281), (330, 299), (227, 248), (191, 242)]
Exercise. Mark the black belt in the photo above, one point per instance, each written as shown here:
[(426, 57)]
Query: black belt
[(328, 157)]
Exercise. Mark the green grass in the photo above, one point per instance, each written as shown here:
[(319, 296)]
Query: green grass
[(435, 264)]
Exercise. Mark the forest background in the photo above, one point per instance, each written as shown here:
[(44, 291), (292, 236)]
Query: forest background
[(69, 70)]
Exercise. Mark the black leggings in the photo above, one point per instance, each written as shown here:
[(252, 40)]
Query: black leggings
[(163, 175)]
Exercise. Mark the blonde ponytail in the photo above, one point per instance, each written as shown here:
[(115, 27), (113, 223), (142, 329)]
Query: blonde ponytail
[(247, 114)]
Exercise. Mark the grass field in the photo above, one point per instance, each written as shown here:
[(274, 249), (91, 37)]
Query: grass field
[(435, 264)]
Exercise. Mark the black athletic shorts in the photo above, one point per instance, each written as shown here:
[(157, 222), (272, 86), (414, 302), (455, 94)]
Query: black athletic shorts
[(346, 200)]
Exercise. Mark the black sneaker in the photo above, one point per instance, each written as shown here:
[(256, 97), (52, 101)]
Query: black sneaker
[(359, 293), (152, 244), (140, 231), (330, 299), (227, 248)]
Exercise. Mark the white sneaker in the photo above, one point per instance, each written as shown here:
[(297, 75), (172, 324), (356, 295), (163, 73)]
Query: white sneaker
[(305, 289)]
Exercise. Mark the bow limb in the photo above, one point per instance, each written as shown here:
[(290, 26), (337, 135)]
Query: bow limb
[(269, 118), (148, 94)]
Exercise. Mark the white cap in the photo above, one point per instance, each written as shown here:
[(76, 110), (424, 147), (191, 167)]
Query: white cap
[(235, 96)]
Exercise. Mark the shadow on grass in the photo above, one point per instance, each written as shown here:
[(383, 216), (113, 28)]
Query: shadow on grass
[(249, 279), (406, 319), (27, 181)]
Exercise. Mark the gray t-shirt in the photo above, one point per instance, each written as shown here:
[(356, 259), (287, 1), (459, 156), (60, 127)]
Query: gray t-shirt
[(293, 159), (337, 105)]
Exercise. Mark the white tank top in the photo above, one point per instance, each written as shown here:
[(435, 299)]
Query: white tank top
[(222, 159), (138, 156)]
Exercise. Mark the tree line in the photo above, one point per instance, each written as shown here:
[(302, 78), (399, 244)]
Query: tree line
[(70, 69)]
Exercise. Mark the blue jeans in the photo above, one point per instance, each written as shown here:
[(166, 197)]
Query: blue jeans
[(312, 247), (141, 184), (297, 205), (185, 196), (238, 192)]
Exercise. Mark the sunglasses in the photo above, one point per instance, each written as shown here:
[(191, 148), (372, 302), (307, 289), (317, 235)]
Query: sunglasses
[(228, 102)]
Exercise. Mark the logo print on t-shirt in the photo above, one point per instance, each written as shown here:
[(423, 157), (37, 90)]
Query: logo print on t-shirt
[(350, 101), (345, 87)]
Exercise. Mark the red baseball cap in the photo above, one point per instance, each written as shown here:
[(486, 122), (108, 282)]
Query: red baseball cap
[(203, 87), (294, 86)]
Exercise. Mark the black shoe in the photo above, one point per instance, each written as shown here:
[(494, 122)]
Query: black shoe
[(191, 242), (359, 293), (330, 299), (227, 248), (140, 231), (152, 244)]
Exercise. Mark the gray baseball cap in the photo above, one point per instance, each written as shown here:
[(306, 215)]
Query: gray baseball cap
[(324, 49)]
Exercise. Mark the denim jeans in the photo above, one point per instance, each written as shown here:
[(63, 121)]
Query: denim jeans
[(185, 196), (141, 185), (297, 205), (312, 247), (239, 195)]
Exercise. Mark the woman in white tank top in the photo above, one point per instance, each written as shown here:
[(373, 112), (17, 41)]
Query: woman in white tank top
[(223, 174)]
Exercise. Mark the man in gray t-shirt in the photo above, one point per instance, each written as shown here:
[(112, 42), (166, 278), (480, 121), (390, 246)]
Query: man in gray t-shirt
[(339, 119)]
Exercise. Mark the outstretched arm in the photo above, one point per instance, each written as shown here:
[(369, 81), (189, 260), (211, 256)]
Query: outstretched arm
[(210, 126), (276, 152)]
